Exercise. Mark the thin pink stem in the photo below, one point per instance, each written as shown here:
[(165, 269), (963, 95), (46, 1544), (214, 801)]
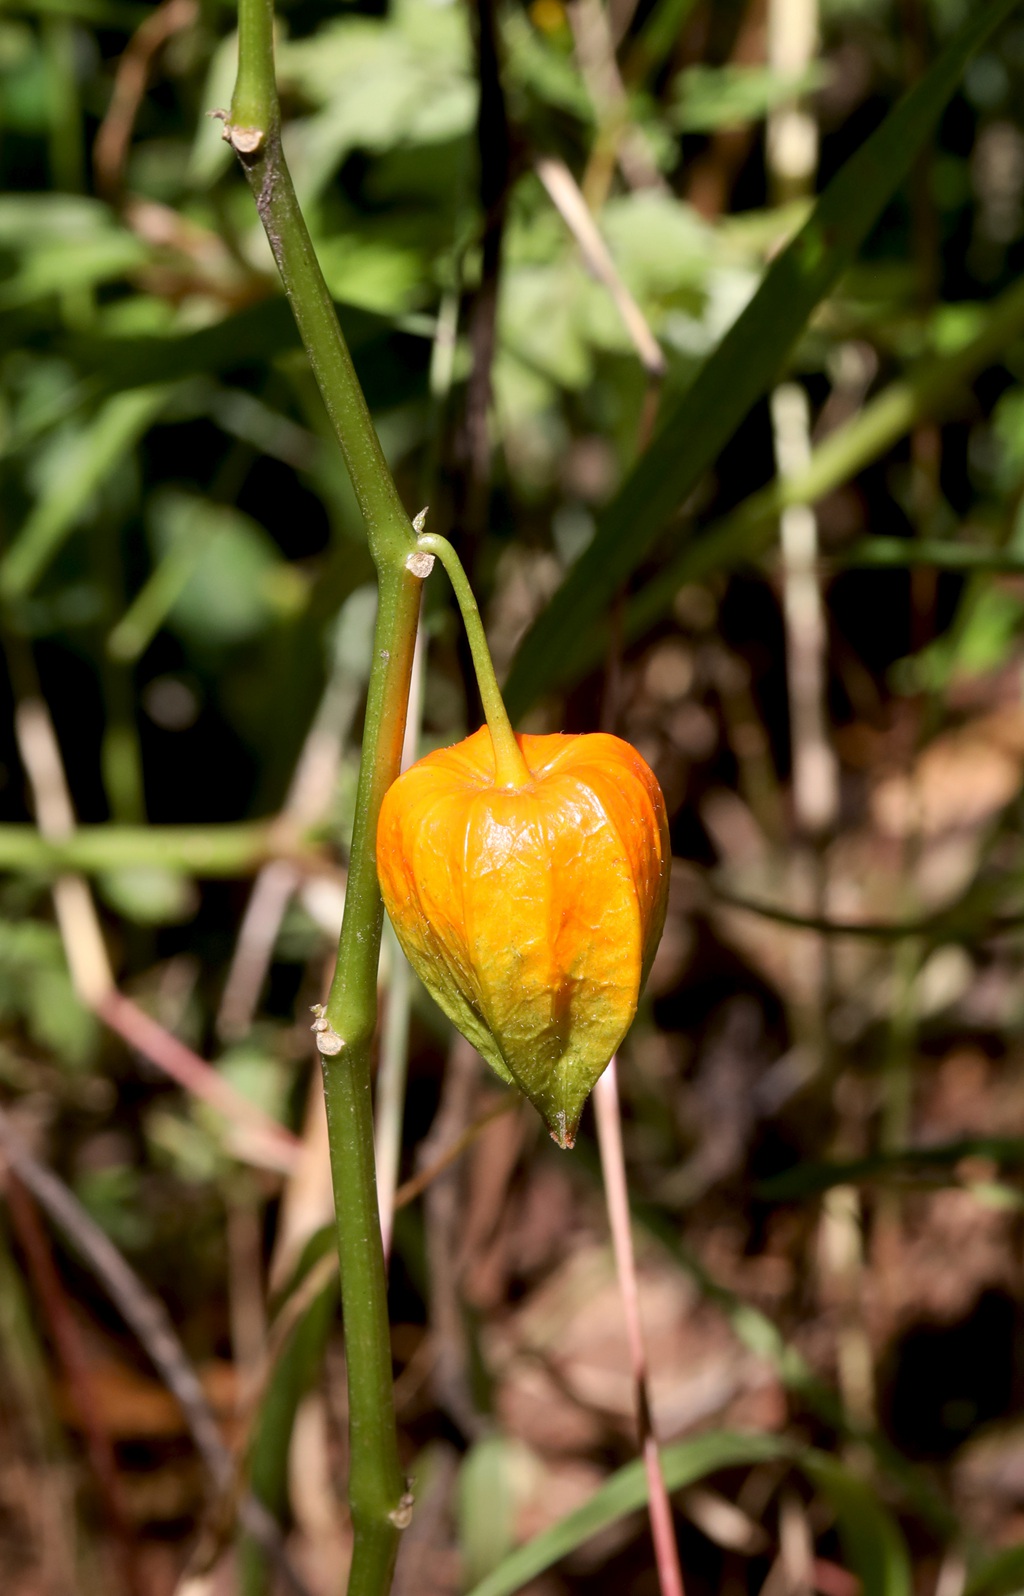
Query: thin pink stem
[(613, 1168), (258, 1137)]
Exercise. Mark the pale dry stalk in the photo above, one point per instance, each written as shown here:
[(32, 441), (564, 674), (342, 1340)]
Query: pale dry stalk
[(394, 1044), (613, 1168), (567, 197)]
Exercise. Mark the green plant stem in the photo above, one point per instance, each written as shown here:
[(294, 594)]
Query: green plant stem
[(510, 768), (67, 148), (376, 1487), (214, 852), (254, 130)]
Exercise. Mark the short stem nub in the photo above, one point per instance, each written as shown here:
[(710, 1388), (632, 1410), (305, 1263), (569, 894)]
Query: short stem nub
[(510, 768)]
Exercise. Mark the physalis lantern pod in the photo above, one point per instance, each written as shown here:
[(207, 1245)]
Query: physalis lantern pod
[(531, 912)]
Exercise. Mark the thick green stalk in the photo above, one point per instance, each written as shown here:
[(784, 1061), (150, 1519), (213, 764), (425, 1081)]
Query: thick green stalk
[(254, 131), (510, 768), (379, 1506)]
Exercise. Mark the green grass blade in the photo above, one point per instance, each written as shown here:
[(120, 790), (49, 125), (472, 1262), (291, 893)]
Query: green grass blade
[(933, 386), (762, 1337), (871, 1536), (658, 37), (894, 553), (626, 1492), (743, 366), (809, 1180), (872, 1541)]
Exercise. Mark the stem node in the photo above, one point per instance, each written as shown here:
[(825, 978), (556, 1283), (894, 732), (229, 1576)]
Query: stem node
[(244, 140), (401, 1517), (420, 563)]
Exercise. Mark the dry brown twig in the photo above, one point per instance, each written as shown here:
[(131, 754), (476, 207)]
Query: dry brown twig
[(411, 1188), (147, 1317), (792, 152), (619, 141), (494, 145), (110, 151), (71, 1354), (254, 1135), (297, 1303), (567, 198), (307, 801), (442, 1215)]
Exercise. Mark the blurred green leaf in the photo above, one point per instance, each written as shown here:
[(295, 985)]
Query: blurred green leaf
[(375, 273), (101, 13), (85, 463), (149, 895), (663, 247), (741, 368), (24, 103), (708, 98), (809, 1179), (35, 987), (1002, 1575), (492, 1481), (213, 851), (257, 1074), (293, 1375), (112, 1196), (226, 580), (393, 363), (211, 154), (62, 241), (871, 1538), (929, 389), (660, 34), (536, 68), (380, 82)]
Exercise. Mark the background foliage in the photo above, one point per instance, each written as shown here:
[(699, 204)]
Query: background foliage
[(825, 1121)]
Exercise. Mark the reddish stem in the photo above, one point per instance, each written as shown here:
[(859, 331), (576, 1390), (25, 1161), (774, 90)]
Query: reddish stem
[(261, 1139), (613, 1168)]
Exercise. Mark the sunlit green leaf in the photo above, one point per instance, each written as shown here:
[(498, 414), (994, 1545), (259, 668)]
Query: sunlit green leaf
[(379, 83)]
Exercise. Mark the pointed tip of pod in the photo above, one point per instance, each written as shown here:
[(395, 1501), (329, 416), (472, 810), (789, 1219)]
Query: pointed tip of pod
[(562, 1134)]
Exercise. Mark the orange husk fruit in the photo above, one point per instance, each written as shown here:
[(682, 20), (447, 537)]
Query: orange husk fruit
[(531, 912)]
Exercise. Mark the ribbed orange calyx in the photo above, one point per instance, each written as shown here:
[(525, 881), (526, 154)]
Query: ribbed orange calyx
[(531, 914)]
